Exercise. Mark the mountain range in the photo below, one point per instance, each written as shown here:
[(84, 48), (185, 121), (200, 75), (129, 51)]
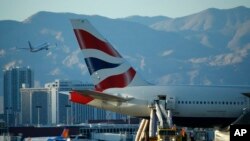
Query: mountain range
[(206, 48)]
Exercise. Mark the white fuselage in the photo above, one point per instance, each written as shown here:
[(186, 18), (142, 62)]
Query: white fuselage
[(225, 103)]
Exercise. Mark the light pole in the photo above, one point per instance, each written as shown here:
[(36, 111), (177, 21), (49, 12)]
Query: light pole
[(128, 119), (67, 107), (7, 114), (38, 114)]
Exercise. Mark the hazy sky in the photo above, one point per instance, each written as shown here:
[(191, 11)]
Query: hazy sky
[(21, 9)]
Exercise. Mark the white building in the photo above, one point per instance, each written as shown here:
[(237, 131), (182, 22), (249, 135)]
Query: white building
[(54, 100), (63, 111)]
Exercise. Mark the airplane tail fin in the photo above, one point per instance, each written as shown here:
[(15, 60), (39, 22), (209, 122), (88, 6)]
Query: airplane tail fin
[(65, 133), (30, 46), (107, 67)]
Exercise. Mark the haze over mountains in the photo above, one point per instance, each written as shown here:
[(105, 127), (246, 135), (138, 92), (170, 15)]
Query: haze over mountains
[(207, 48)]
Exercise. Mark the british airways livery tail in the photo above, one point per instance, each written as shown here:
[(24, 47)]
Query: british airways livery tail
[(119, 88), (106, 66)]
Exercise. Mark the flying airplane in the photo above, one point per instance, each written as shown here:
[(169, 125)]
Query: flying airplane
[(44, 46), (119, 88)]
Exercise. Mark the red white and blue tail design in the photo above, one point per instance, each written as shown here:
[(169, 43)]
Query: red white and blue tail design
[(106, 66)]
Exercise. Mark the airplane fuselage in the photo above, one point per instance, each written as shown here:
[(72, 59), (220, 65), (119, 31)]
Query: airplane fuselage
[(39, 49), (191, 105)]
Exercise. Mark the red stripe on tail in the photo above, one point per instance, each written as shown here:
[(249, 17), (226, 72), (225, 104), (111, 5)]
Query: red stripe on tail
[(116, 81), (88, 41)]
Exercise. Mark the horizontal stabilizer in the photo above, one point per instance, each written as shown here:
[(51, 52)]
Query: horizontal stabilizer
[(246, 94), (102, 96), (244, 118)]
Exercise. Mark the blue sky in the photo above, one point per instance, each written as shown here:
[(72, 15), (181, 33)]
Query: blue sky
[(21, 9)]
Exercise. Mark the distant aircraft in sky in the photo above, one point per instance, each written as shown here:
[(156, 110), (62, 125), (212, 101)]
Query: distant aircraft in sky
[(44, 46)]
